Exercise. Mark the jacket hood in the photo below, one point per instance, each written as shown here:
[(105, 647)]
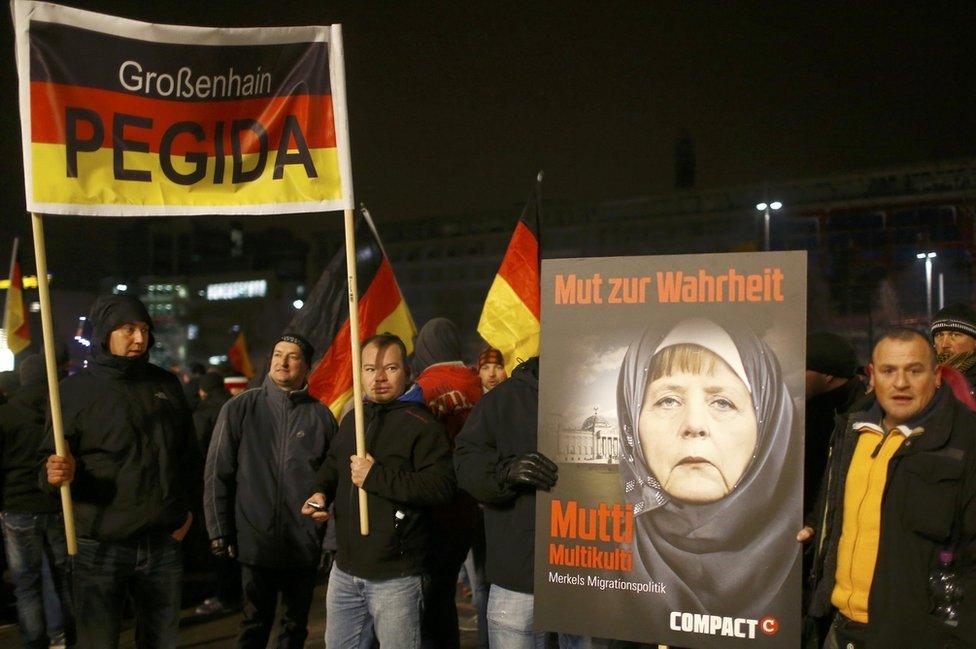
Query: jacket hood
[(438, 342), (107, 313), (528, 372), (413, 395), (33, 398), (276, 393), (32, 371)]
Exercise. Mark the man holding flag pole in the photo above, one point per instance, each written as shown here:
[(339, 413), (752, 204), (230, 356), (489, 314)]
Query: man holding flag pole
[(254, 122)]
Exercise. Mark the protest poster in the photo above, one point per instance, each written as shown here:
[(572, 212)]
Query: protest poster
[(126, 118), (671, 397)]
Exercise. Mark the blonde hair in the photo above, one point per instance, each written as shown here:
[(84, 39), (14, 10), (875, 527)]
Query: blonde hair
[(683, 357)]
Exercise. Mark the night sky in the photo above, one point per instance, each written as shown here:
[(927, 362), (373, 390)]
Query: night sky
[(454, 106)]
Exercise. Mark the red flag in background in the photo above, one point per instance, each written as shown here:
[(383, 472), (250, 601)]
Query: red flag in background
[(15, 322), (238, 357), (510, 318), (324, 319)]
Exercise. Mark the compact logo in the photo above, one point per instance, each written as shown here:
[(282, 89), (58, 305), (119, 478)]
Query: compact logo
[(769, 625), (730, 627)]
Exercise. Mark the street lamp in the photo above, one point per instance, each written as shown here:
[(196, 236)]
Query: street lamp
[(764, 208), (928, 257)]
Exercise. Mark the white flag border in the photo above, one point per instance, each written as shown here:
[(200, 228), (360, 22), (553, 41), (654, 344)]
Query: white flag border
[(26, 11)]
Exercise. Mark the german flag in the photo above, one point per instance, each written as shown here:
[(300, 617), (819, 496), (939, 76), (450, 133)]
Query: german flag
[(14, 314), (238, 357), (324, 319), (143, 119), (510, 317)]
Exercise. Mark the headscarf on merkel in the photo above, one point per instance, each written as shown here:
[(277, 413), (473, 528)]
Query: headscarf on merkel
[(736, 553)]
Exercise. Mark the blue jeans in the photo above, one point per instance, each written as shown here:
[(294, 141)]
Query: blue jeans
[(149, 569), (29, 539), (393, 606), (474, 566), (510, 615)]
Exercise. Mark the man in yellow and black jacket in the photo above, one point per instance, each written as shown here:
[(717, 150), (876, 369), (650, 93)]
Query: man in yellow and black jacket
[(900, 489)]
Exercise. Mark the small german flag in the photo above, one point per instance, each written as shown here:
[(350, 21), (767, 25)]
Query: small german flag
[(510, 317), (238, 357), (324, 319), (14, 314)]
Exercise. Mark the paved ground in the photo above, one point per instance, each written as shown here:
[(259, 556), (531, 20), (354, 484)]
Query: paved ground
[(218, 633)]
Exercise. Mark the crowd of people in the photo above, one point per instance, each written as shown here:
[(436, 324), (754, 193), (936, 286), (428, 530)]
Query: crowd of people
[(450, 474)]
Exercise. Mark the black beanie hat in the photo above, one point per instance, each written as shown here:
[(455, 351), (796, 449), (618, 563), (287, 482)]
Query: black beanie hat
[(297, 339), (829, 353), (955, 317), (210, 382), (32, 370)]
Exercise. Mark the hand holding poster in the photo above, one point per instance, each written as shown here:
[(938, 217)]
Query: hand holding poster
[(126, 118), (676, 424)]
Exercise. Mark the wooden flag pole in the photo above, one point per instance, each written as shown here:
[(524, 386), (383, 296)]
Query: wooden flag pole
[(47, 325), (337, 70), (357, 378)]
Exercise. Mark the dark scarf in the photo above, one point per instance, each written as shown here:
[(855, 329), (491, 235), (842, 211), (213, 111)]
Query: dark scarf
[(734, 554)]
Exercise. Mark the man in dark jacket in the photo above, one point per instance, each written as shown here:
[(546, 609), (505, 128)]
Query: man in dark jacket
[(212, 396), (134, 465), (497, 463), (33, 527), (407, 469), (266, 448), (832, 387), (450, 390), (901, 491)]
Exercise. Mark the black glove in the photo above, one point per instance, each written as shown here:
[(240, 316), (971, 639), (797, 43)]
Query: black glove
[(223, 548), (532, 469)]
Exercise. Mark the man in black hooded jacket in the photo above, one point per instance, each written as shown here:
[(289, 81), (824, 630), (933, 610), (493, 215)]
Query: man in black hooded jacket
[(135, 470)]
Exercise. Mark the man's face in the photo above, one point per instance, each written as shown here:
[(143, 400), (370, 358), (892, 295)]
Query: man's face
[(950, 343), (129, 339), (384, 374), (288, 366), (491, 375), (904, 377)]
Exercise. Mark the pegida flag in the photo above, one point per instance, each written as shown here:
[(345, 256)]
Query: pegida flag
[(121, 117), (324, 319)]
